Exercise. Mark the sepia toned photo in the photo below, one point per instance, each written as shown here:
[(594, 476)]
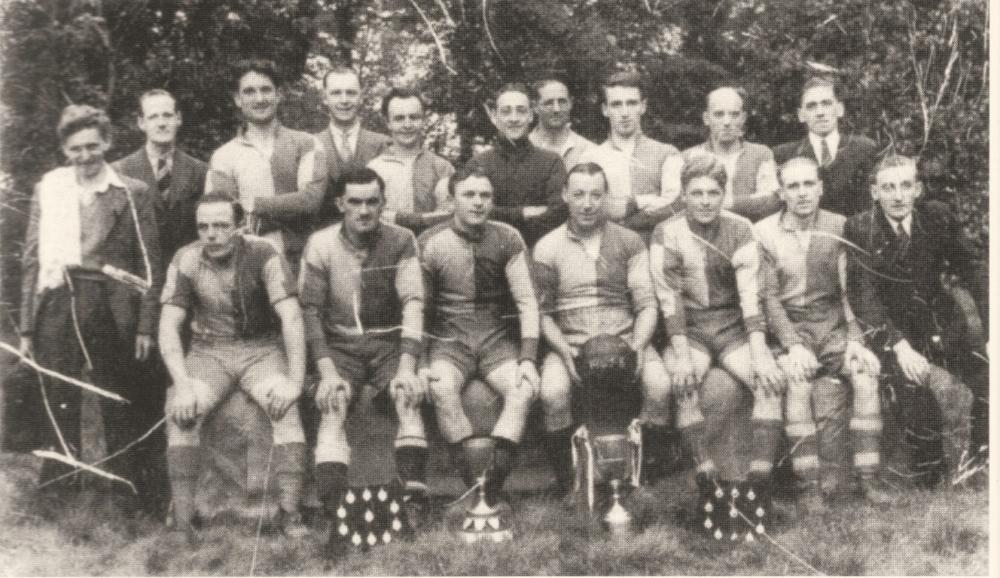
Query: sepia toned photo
[(494, 287)]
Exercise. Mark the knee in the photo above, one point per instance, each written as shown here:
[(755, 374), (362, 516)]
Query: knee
[(288, 429), (519, 395), (719, 390), (555, 389), (445, 388), (178, 436)]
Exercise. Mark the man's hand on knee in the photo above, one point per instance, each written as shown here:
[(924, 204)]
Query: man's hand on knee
[(860, 359), (333, 393), (280, 397), (799, 363), (183, 408), (407, 387), (915, 367), (568, 357), (684, 378), (527, 376)]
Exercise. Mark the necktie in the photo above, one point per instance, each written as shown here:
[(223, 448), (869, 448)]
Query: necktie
[(163, 176), (345, 146), (825, 156), (904, 238)]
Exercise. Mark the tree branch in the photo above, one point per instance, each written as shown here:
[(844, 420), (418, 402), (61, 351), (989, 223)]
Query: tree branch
[(437, 39)]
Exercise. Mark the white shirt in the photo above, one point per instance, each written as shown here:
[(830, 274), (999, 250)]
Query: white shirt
[(907, 224), (832, 141), (154, 157), (351, 135)]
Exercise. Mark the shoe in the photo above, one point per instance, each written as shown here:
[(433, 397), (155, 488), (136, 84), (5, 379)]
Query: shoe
[(417, 506), (292, 526)]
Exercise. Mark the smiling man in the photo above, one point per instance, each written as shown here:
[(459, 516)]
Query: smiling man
[(416, 179), (485, 322), (553, 106), (845, 161), (85, 218), (704, 264), (901, 250), (593, 278), (247, 332), (751, 183), (278, 174), (527, 181), (363, 298)]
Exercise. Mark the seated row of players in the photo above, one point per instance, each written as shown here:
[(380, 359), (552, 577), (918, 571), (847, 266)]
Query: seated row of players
[(364, 323)]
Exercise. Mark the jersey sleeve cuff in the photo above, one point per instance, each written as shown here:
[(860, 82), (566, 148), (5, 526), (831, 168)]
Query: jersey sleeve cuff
[(318, 348), (529, 349), (411, 346), (755, 323), (675, 325)]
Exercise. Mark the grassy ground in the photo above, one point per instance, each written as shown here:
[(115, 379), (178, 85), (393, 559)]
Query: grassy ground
[(939, 532)]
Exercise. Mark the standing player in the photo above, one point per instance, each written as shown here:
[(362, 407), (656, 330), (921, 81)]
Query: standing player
[(416, 179), (553, 105), (804, 286), (278, 174), (479, 287), (363, 300), (751, 180), (247, 332), (845, 161), (593, 279), (643, 174), (704, 264), (527, 181), (894, 285)]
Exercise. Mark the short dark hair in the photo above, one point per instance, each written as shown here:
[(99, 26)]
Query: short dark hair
[(586, 169), (625, 78), (466, 171), (817, 81), (890, 160), (259, 65), (341, 69), (77, 117), (512, 87), (800, 160), (703, 165), (401, 92), (358, 176), (218, 197)]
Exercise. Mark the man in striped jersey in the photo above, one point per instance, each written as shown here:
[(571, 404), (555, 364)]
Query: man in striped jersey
[(363, 304), (704, 264), (479, 287), (804, 286), (594, 279)]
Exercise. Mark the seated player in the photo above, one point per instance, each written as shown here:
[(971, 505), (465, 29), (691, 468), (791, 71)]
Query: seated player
[(895, 289), (704, 264), (247, 332), (804, 286), (593, 278), (479, 287), (363, 303)]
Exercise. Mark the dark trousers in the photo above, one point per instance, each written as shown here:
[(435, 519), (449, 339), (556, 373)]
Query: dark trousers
[(58, 347)]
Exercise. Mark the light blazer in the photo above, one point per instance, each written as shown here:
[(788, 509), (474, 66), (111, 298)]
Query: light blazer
[(132, 313), (175, 213)]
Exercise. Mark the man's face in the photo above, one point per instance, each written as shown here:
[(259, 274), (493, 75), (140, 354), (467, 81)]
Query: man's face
[(85, 150), (257, 98), (343, 97), (725, 117), (513, 114), (801, 189), (159, 119), (703, 199), (473, 201), (624, 107), (896, 189), (554, 105), (406, 121), (216, 228), (584, 195), (820, 110), (361, 205)]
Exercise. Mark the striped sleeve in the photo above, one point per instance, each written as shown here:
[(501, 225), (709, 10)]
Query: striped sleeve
[(746, 262), (770, 288), (410, 289), (666, 268), (313, 288), (546, 276), (522, 289), (640, 283)]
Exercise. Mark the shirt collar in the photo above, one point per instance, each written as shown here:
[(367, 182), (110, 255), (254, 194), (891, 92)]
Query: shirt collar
[(391, 153), (109, 177), (518, 146), (242, 134), (573, 236), (474, 235), (376, 234), (567, 139), (832, 141), (351, 131), (709, 146), (154, 154), (907, 223), (789, 223)]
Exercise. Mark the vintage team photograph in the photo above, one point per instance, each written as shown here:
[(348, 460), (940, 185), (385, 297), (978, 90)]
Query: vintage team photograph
[(494, 287)]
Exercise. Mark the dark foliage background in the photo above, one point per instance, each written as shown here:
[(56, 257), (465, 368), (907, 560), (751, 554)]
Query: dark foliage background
[(914, 72)]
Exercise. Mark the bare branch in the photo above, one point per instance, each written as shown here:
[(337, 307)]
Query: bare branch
[(437, 39), (489, 34), (447, 15)]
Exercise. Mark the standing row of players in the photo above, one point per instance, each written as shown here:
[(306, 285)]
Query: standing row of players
[(418, 318)]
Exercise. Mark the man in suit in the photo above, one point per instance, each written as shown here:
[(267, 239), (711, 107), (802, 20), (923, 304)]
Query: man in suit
[(89, 228), (278, 174), (178, 177), (175, 181), (845, 161), (347, 144), (898, 251)]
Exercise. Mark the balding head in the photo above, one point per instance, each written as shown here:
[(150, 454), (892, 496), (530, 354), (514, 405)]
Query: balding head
[(724, 115)]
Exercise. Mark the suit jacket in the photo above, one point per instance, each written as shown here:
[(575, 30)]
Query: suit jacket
[(370, 145), (897, 291), (175, 213), (133, 313), (845, 180)]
